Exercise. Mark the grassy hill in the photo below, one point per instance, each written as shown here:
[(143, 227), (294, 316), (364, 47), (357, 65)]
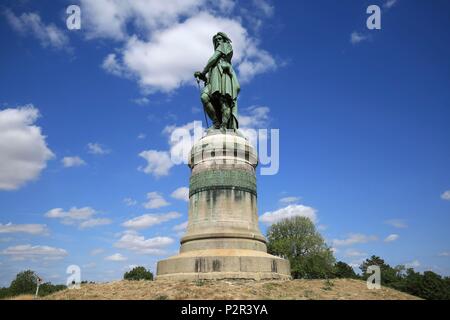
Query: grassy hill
[(340, 289)]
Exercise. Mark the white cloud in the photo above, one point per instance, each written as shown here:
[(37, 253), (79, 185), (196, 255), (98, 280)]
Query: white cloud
[(97, 251), (180, 227), (446, 195), (397, 223), (158, 163), (389, 4), (444, 254), (391, 238), (96, 148), (23, 149), (353, 238), (148, 220), (69, 162), (289, 200), (254, 117), (27, 251), (131, 240), (82, 217), (34, 229), (160, 65), (141, 136), (289, 212), (95, 222), (264, 7), (412, 264), (357, 37), (130, 202), (111, 18), (141, 101), (181, 194), (354, 253), (31, 23), (155, 201), (117, 257)]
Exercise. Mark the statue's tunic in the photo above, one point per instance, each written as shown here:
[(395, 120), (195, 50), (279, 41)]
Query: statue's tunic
[(222, 78)]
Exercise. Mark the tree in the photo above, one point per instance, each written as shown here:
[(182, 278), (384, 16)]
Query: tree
[(389, 276), (24, 283), (138, 273), (343, 270), (297, 240)]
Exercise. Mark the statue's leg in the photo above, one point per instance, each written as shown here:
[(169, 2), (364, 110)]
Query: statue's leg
[(226, 113), (209, 109)]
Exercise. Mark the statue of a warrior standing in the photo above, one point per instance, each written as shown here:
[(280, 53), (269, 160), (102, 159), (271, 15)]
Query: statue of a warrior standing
[(219, 96)]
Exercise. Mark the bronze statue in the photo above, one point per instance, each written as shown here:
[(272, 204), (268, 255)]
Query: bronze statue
[(219, 95)]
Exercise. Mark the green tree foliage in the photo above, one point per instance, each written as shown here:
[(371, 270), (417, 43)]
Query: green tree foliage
[(297, 240), (390, 276), (343, 270), (138, 273), (24, 283), (428, 285)]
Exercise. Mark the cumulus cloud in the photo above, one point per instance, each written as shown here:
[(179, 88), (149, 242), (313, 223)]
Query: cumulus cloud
[(27, 251), (397, 223), (69, 162), (34, 229), (446, 195), (31, 23), (131, 240), (155, 201), (444, 254), (254, 117), (391, 238), (148, 220), (353, 238), (81, 217), (151, 52), (181, 194), (23, 149), (96, 148), (158, 163), (290, 211), (117, 257)]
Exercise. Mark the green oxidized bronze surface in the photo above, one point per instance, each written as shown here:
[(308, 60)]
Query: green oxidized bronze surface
[(222, 179)]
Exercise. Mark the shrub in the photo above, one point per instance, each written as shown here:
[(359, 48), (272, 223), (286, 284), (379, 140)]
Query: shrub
[(138, 273)]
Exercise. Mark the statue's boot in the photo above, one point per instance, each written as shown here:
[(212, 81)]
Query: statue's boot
[(209, 108), (226, 113)]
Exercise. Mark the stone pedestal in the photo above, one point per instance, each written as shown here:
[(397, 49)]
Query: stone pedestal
[(223, 239)]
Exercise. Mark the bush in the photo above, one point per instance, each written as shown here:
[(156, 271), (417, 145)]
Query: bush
[(138, 273), (297, 240)]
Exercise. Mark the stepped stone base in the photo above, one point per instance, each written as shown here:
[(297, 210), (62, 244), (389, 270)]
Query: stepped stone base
[(216, 264), (223, 239)]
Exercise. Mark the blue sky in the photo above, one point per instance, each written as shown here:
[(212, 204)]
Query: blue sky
[(363, 118)]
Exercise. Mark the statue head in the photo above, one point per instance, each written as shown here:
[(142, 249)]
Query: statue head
[(219, 38)]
